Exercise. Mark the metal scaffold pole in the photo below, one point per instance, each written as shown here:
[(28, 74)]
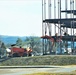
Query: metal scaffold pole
[(71, 21), (66, 8), (49, 25), (66, 30), (60, 18), (55, 13), (42, 20), (49, 16), (45, 16), (73, 24), (60, 28), (66, 13), (45, 26), (42, 30), (58, 13)]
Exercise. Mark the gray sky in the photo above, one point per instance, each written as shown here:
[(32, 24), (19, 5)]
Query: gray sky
[(20, 17)]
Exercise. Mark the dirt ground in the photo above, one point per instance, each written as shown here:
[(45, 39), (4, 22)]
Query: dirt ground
[(20, 71)]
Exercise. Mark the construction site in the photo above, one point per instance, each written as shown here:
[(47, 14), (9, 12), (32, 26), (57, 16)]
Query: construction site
[(58, 32), (59, 26)]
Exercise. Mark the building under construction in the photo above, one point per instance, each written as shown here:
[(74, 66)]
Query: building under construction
[(59, 26)]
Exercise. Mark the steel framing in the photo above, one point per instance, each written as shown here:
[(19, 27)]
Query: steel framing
[(56, 20)]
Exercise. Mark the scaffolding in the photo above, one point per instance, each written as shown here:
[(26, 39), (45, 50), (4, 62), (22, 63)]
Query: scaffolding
[(58, 26)]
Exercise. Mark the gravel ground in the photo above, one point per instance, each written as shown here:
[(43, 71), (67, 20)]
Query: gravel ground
[(53, 69)]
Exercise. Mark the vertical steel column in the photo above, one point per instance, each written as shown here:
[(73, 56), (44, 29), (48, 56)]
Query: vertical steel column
[(75, 28), (45, 16), (66, 42), (49, 17), (49, 9), (43, 46), (49, 25), (60, 18), (58, 13), (60, 28), (42, 20), (75, 4), (44, 26), (54, 18), (73, 16), (45, 40), (55, 13), (66, 8), (73, 24), (66, 13), (71, 21), (42, 30)]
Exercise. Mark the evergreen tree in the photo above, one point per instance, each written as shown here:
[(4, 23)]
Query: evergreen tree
[(3, 45), (34, 43), (19, 42)]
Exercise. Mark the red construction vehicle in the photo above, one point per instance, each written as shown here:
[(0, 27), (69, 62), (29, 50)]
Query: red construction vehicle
[(20, 52)]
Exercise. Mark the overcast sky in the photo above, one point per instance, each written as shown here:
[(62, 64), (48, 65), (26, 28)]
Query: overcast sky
[(20, 17)]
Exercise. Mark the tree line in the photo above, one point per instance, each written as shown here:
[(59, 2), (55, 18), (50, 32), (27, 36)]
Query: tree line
[(33, 42)]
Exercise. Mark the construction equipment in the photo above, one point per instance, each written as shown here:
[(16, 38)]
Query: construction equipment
[(20, 52)]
